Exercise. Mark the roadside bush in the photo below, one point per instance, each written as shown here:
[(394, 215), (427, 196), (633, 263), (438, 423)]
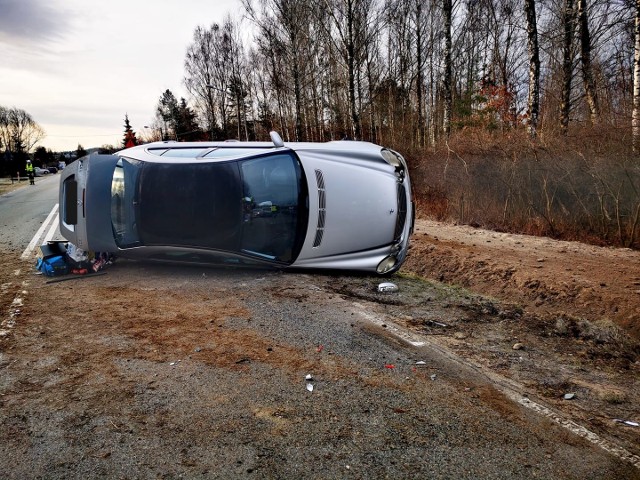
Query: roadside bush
[(581, 187)]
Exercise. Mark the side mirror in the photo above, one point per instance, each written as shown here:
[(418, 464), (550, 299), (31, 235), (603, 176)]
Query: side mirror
[(276, 139)]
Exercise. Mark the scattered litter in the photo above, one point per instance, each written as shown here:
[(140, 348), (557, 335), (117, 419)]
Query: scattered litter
[(59, 259), (518, 346), (197, 349), (174, 363), (437, 324), (627, 422), (320, 348), (569, 396), (433, 376), (387, 287), (390, 366), (421, 362), (309, 378)]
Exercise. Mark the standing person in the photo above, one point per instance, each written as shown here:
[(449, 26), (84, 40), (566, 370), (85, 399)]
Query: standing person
[(30, 173)]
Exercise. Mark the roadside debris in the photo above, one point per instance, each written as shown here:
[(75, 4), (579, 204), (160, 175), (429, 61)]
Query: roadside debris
[(61, 258), (627, 422), (437, 324), (517, 346), (309, 380), (387, 287), (569, 396)]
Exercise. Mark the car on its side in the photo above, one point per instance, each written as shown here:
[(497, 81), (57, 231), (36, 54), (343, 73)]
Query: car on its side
[(40, 172), (342, 205)]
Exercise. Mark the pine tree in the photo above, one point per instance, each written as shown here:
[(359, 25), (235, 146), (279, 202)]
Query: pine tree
[(130, 139)]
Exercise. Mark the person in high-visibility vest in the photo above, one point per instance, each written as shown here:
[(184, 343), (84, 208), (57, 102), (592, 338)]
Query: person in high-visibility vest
[(30, 172)]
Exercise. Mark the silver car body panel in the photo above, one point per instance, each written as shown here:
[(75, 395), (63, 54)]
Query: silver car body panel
[(355, 200)]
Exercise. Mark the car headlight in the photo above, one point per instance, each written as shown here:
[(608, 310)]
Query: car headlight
[(391, 158), (387, 264)]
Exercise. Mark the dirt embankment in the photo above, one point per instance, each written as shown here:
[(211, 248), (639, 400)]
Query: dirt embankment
[(550, 278)]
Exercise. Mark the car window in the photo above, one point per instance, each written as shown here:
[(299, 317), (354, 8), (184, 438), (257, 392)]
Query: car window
[(274, 207), (184, 152), (226, 152), (123, 189)]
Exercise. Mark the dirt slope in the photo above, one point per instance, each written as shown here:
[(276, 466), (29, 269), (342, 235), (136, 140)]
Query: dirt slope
[(543, 276)]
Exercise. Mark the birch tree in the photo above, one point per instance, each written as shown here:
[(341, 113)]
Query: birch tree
[(568, 25)]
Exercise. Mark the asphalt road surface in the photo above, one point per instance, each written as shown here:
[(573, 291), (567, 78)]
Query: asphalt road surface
[(170, 372)]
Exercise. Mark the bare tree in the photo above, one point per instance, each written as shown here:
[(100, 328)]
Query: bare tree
[(199, 65), (534, 67), (19, 132), (568, 24), (588, 79), (447, 10)]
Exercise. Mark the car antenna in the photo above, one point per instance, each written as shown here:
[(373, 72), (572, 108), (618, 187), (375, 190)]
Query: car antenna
[(276, 139)]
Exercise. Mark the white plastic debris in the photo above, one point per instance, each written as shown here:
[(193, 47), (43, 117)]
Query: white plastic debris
[(627, 422), (310, 387), (421, 362), (433, 376), (387, 287), (309, 377), (569, 396)]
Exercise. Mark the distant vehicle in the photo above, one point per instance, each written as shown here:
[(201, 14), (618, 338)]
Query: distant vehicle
[(52, 169), (336, 205), (40, 172)]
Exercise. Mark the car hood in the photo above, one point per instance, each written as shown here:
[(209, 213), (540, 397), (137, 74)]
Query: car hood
[(352, 206)]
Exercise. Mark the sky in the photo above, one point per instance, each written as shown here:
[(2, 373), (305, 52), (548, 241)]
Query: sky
[(77, 66)]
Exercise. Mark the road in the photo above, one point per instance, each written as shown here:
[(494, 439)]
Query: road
[(168, 372), (23, 212)]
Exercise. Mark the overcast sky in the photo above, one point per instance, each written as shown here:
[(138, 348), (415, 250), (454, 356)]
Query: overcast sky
[(77, 66)]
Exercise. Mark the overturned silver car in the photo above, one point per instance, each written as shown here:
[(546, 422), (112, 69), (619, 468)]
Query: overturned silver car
[(338, 205)]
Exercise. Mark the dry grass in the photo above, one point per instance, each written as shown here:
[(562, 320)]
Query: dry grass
[(585, 186), (6, 185)]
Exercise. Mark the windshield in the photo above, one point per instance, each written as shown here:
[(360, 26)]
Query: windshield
[(256, 206)]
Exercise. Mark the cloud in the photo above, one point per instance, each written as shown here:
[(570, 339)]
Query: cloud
[(32, 21)]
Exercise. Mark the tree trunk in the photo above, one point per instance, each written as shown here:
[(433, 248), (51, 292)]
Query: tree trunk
[(534, 67), (419, 79), (351, 62), (567, 65), (587, 69), (448, 101), (635, 121)]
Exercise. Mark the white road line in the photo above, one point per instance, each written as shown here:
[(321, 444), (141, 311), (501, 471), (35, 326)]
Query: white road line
[(32, 245), (508, 387), (53, 229)]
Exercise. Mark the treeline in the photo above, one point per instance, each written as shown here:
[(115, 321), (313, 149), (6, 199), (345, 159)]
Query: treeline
[(407, 73)]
